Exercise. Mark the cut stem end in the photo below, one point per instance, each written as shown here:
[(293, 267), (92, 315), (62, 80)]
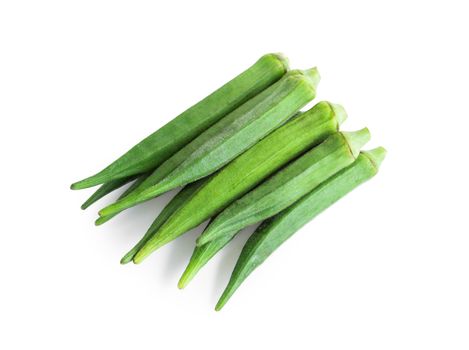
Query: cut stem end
[(356, 140)]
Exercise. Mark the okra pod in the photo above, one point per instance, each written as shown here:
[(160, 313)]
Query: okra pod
[(276, 230), (200, 256), (288, 185), (228, 138), (248, 170), (159, 146), (107, 188), (174, 204), (102, 219)]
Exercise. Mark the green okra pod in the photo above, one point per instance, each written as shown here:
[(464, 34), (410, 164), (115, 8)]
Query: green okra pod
[(288, 185), (228, 138), (275, 231), (159, 146), (174, 204), (107, 188), (200, 256), (102, 219), (249, 169)]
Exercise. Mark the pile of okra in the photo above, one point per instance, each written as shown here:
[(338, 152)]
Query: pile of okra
[(245, 154)]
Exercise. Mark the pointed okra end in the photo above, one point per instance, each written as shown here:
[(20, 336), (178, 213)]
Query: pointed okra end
[(88, 182), (148, 248), (118, 206), (340, 114), (86, 204), (198, 259), (187, 276), (130, 255), (219, 306), (356, 140), (376, 156), (227, 293), (203, 239), (110, 209), (127, 258), (102, 219), (76, 186)]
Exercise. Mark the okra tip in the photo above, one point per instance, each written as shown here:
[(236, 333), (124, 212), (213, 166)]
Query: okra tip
[(127, 258), (115, 207), (182, 282), (75, 186), (102, 219), (189, 273), (201, 240), (356, 140), (222, 301), (86, 183), (376, 156)]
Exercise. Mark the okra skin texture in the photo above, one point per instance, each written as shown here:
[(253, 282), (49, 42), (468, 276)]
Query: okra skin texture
[(228, 138), (288, 185), (248, 170), (174, 204), (275, 231), (159, 146)]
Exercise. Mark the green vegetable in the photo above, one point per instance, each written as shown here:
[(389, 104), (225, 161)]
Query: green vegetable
[(107, 188), (276, 230), (101, 220), (174, 204), (288, 185), (159, 146), (201, 256), (228, 138), (248, 170)]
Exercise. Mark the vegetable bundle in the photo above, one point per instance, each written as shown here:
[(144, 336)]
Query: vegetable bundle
[(245, 154)]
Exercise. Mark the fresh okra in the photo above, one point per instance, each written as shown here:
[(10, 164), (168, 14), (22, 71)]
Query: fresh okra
[(174, 204), (249, 169), (107, 188), (275, 231), (288, 185), (228, 138), (102, 219), (202, 254), (159, 146)]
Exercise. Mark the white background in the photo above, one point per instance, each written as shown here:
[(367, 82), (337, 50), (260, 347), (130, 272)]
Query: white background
[(82, 81)]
